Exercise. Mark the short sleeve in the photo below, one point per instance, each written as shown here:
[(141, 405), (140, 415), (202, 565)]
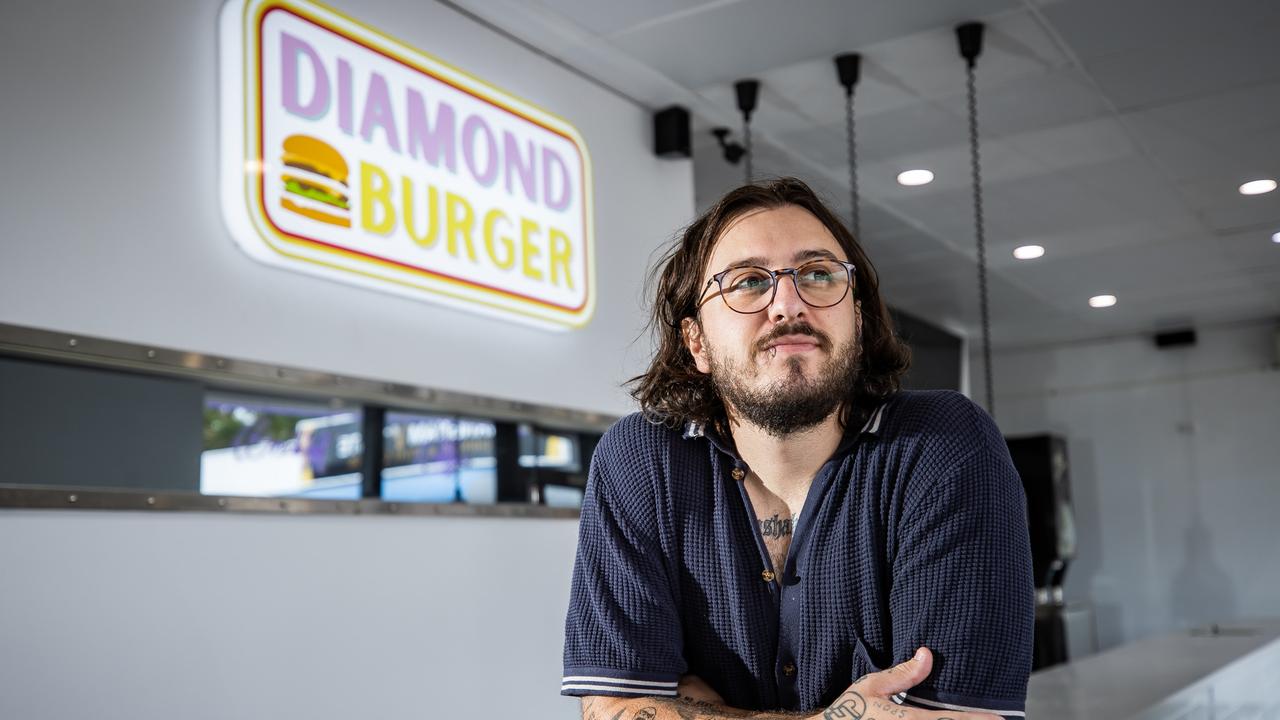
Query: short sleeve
[(622, 633), (962, 582)]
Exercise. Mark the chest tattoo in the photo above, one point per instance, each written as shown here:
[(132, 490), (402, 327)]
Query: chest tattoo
[(775, 528)]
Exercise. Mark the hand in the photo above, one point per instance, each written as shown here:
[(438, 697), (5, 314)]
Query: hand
[(695, 688), (870, 696)]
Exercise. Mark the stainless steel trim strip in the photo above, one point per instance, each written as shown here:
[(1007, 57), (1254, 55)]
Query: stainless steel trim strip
[(224, 373), (71, 498), (230, 374)]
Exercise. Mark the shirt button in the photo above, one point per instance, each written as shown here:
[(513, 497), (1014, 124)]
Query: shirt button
[(738, 474), (767, 575), (788, 669)]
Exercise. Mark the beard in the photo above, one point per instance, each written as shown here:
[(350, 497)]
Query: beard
[(794, 402)]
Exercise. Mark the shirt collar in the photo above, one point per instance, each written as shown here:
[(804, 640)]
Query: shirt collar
[(872, 425), (694, 429)]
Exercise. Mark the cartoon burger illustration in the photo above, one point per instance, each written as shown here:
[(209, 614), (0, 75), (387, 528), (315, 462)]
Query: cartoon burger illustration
[(315, 181)]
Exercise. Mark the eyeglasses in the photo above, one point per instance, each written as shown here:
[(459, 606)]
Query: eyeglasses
[(750, 289)]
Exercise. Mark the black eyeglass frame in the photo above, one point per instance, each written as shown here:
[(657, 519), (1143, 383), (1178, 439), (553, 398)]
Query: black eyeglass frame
[(718, 278)]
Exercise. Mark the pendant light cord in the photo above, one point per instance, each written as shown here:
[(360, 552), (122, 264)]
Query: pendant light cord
[(975, 163), (746, 143), (851, 147)]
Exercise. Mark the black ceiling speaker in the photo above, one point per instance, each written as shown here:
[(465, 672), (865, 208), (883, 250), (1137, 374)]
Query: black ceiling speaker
[(969, 37), (848, 69), (748, 92), (671, 133), (1176, 338)]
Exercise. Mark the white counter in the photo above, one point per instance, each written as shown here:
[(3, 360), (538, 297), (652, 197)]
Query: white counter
[(1234, 674)]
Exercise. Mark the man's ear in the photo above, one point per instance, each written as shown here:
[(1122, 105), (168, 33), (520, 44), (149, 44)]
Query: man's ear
[(692, 333)]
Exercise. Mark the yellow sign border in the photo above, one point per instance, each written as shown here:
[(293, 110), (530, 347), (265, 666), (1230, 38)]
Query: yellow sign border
[(464, 294)]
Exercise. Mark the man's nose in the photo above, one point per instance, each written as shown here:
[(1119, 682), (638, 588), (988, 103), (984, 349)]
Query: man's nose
[(786, 304)]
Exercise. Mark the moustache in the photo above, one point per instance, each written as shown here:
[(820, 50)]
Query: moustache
[(795, 328)]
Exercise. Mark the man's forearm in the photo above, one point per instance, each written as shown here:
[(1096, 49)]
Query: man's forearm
[(600, 707)]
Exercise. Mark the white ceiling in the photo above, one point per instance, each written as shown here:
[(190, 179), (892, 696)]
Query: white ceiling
[(1115, 134)]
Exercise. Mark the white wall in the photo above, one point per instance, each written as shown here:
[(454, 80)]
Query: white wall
[(1175, 470), (139, 616), (111, 225)]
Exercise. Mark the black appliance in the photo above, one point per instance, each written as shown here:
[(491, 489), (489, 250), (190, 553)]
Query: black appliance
[(1041, 461)]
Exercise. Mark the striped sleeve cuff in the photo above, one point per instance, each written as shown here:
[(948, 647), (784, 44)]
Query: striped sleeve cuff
[(620, 683), (1008, 710)]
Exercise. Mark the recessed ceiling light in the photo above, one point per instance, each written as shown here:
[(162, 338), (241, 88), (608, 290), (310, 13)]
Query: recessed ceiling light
[(1028, 252), (1258, 187), (915, 177), (1101, 301), (1275, 238)]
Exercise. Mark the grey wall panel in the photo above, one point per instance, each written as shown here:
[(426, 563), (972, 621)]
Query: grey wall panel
[(62, 425), (206, 616), (1174, 461), (935, 354)]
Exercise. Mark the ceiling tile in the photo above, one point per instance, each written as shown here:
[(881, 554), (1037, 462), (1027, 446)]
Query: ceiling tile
[(1076, 144), (605, 18), (951, 168), (1155, 76), (1245, 212), (741, 39), (1056, 97), (911, 130), (1145, 192), (1095, 29)]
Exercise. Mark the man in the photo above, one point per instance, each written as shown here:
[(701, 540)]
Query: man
[(781, 523)]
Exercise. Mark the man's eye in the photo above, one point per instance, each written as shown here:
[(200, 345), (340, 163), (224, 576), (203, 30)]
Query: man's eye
[(749, 282), (817, 274)]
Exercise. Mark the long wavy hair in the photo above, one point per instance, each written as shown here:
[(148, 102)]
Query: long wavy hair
[(675, 392)]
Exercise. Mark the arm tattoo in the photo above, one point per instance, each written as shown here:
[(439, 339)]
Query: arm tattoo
[(849, 706), (775, 527), (689, 709), (891, 710)]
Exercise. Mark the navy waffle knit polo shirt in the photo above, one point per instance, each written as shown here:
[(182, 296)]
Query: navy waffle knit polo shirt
[(913, 533)]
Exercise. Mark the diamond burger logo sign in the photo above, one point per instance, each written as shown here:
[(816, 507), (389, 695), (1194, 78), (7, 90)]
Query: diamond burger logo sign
[(348, 155)]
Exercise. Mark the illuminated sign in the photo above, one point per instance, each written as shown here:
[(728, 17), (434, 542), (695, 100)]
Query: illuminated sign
[(349, 155)]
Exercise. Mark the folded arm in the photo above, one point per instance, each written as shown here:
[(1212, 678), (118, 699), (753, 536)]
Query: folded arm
[(694, 700), (868, 698), (599, 707), (962, 576)]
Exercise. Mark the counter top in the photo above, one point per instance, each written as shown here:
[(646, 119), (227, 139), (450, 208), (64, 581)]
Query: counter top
[(1174, 671)]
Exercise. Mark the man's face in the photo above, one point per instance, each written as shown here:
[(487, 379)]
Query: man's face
[(787, 367)]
